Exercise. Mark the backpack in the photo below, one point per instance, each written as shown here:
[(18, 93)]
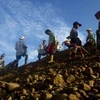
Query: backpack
[(12, 65)]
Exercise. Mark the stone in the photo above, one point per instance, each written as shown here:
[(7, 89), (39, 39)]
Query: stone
[(72, 97), (11, 86), (83, 92), (47, 96), (33, 90), (24, 92), (58, 80), (70, 79), (62, 96), (91, 83), (86, 87), (10, 98), (89, 70), (77, 94)]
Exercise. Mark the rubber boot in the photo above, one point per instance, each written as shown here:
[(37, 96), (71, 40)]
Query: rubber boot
[(51, 61)]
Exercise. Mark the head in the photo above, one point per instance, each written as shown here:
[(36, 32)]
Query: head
[(68, 37), (44, 41), (22, 38), (77, 25), (3, 55), (57, 42), (47, 31), (97, 15)]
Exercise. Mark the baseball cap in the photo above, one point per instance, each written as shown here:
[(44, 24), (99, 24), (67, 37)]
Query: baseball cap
[(77, 23)]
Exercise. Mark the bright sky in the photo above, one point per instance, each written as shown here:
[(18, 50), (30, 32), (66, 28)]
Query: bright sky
[(30, 18)]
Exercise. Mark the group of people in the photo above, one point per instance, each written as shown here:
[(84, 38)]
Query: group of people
[(53, 45), (72, 41)]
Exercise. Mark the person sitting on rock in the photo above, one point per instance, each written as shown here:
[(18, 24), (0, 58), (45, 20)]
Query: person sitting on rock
[(41, 50), (2, 62)]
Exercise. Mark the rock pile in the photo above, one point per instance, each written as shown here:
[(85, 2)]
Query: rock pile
[(63, 80)]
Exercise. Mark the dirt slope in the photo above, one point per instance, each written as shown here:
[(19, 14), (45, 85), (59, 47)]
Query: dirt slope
[(65, 79)]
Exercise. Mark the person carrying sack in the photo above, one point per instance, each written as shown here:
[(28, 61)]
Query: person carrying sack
[(75, 41), (51, 44), (21, 49)]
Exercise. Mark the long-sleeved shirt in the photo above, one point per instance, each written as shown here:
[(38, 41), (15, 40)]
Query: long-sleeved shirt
[(20, 47), (51, 38)]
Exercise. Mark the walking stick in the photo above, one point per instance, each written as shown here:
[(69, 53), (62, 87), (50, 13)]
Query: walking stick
[(85, 50)]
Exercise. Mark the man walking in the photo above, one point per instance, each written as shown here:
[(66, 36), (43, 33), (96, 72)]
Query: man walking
[(75, 41), (21, 49)]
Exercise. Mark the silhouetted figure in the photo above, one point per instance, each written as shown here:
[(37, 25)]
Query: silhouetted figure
[(75, 41), (21, 50)]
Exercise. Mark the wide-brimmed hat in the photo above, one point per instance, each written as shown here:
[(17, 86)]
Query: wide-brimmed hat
[(89, 29), (77, 23)]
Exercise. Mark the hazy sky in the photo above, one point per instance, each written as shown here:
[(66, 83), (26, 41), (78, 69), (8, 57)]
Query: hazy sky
[(30, 18)]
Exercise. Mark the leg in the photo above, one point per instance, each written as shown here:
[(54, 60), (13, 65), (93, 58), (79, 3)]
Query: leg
[(26, 58), (39, 56), (18, 57)]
